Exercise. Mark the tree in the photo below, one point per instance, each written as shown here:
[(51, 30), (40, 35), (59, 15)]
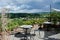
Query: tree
[(54, 17)]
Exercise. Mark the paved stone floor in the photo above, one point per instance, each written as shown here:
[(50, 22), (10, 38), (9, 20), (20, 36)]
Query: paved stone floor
[(44, 35)]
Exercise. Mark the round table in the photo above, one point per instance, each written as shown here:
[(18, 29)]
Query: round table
[(26, 27), (47, 22)]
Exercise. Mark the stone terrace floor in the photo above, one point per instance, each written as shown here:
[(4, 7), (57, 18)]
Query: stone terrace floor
[(44, 35)]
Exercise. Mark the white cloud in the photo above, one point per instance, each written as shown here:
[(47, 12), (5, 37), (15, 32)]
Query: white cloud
[(46, 6), (57, 0), (23, 1), (27, 1), (39, 0), (23, 6), (27, 11), (8, 6), (55, 9), (5, 2), (34, 10), (12, 4), (22, 9), (54, 1)]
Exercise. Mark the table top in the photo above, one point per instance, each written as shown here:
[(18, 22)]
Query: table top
[(47, 22), (51, 23), (26, 26)]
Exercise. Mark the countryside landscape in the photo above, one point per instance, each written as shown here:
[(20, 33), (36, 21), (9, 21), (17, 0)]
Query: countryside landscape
[(30, 20)]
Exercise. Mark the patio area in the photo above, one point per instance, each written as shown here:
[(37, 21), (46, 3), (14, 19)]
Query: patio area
[(44, 35)]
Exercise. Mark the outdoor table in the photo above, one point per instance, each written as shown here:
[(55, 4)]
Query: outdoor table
[(47, 25), (47, 22), (26, 27), (50, 25)]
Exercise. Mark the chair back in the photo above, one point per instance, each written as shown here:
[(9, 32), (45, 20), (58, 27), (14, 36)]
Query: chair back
[(18, 30), (35, 27)]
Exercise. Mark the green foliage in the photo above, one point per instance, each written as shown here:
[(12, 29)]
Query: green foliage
[(55, 17), (13, 23), (27, 23), (29, 19)]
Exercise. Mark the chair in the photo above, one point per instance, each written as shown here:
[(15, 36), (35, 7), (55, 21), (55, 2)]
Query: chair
[(21, 35), (35, 28), (16, 30)]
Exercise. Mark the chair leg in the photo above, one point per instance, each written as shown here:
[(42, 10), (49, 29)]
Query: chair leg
[(34, 32), (39, 34), (33, 38), (30, 37)]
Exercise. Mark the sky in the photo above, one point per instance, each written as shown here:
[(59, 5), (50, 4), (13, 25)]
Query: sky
[(30, 6)]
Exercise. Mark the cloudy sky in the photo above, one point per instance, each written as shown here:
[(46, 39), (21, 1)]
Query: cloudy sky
[(30, 6)]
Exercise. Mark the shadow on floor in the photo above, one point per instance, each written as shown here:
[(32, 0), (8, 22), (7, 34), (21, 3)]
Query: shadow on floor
[(19, 35), (49, 33), (46, 34), (51, 39)]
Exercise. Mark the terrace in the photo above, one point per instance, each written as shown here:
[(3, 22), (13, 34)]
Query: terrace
[(18, 34), (39, 30)]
